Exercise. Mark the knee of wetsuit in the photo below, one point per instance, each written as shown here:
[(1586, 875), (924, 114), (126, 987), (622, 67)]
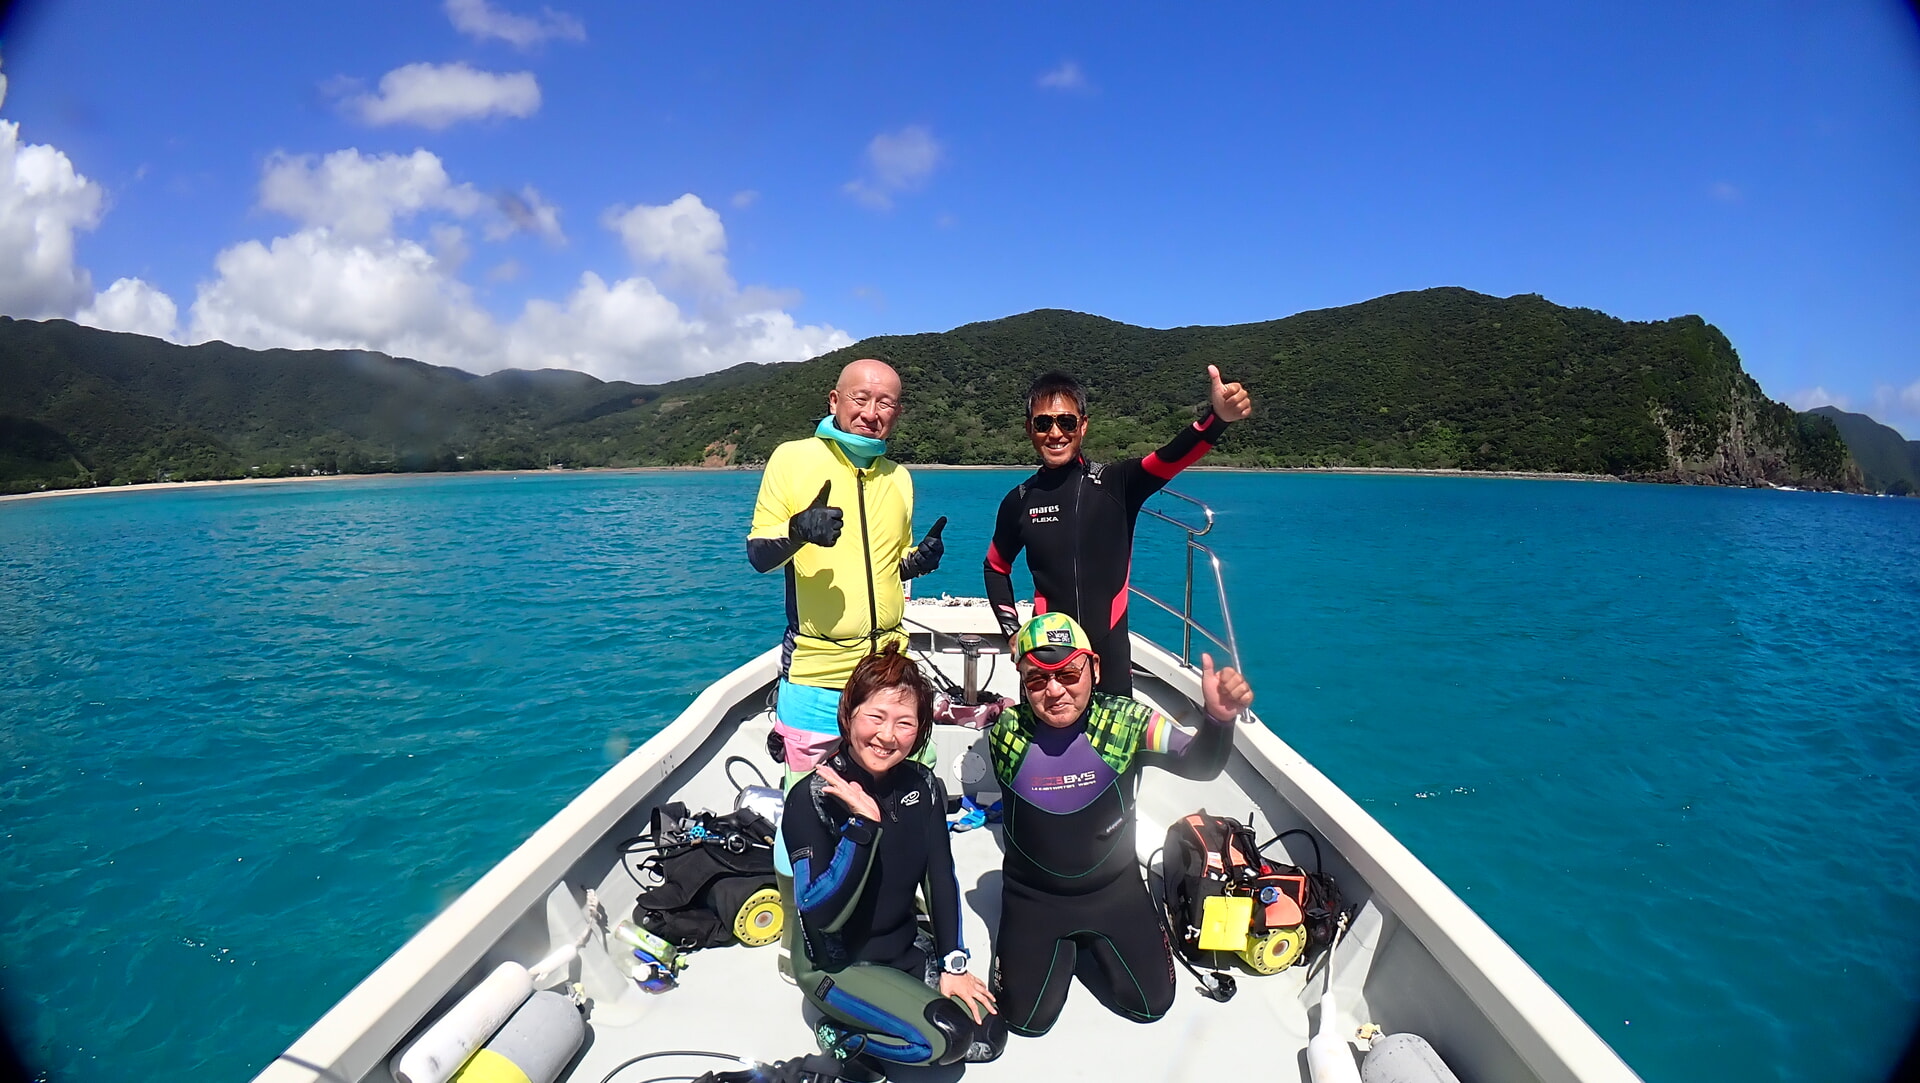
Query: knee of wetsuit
[(954, 1025), (989, 1040), (1159, 1006)]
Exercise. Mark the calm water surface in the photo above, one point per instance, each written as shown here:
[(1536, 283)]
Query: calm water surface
[(1666, 741)]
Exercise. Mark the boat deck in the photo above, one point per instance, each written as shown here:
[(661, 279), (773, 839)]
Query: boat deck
[(1416, 959), (735, 1000)]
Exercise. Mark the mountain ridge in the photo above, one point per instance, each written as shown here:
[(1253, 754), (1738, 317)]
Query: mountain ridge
[(1889, 462), (1440, 378)]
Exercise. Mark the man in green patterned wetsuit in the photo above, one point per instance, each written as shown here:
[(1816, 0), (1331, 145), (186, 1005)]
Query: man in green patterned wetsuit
[(1069, 761)]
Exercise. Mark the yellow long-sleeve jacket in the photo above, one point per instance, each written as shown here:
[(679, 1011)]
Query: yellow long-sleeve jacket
[(843, 601)]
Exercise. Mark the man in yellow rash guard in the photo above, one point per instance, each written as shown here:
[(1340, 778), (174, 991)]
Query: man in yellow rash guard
[(837, 514)]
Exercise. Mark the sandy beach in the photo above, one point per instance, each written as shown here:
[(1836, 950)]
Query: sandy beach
[(150, 486)]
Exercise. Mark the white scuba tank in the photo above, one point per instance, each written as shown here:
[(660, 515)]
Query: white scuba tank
[(446, 1045)]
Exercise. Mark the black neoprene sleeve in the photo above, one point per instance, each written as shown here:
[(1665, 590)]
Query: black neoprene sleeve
[(942, 886), (766, 554), (1142, 480), (1006, 546), (1203, 758)]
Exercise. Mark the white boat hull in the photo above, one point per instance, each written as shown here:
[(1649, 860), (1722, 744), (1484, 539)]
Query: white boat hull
[(1417, 959)]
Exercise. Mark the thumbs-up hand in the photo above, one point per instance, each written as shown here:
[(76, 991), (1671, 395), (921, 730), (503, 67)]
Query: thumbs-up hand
[(1230, 401), (1223, 693), (931, 548), (818, 523)]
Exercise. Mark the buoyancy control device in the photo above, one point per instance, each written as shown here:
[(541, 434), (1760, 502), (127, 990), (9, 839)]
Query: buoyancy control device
[(1224, 897), (708, 878)]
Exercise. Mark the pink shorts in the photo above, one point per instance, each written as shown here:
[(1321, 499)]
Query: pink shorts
[(804, 747)]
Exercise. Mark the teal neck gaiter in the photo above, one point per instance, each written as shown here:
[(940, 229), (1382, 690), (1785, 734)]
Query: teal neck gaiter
[(861, 450)]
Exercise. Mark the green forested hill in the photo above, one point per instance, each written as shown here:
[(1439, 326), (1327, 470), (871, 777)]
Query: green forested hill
[(1439, 378), (1889, 462)]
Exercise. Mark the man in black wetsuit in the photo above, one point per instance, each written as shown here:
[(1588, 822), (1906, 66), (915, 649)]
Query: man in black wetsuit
[(1069, 761), (1075, 518)]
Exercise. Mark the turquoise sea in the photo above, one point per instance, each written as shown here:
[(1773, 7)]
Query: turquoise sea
[(1665, 740)]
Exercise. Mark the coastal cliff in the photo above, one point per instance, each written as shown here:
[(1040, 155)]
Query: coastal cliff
[(1761, 443)]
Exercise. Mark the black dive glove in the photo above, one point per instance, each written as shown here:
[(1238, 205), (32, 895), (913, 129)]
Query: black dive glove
[(817, 524), (925, 556)]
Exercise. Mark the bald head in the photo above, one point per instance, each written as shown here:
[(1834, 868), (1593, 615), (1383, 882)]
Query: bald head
[(867, 399)]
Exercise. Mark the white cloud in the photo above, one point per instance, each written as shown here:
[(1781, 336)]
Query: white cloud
[(904, 159), (438, 95), (480, 20), (684, 238), (360, 196), (44, 201), (131, 304), (896, 162), (1902, 403), (745, 198), (526, 212), (1725, 193), (1068, 76), (606, 330), (347, 279), (318, 289), (450, 245), (1808, 398), (629, 331)]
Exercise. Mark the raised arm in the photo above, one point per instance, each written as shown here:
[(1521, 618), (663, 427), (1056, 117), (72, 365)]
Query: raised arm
[(1005, 546), (1185, 449), (925, 557), (1225, 402), (1202, 753), (1198, 754)]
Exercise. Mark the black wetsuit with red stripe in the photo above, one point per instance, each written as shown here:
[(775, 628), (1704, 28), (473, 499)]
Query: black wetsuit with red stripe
[(1076, 524)]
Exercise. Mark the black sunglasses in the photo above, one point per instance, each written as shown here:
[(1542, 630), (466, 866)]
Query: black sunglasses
[(1045, 422)]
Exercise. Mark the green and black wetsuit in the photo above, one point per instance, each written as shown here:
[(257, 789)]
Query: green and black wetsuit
[(1071, 876)]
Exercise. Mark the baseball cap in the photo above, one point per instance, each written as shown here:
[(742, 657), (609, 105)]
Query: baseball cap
[(1051, 640)]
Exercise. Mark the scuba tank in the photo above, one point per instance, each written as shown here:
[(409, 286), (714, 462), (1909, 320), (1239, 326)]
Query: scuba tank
[(764, 799), (1404, 1058), (532, 1046), (437, 1054)]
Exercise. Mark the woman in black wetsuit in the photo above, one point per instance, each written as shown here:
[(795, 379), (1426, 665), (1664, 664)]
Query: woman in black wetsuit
[(865, 831)]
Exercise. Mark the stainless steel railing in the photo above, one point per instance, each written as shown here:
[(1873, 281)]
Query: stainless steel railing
[(1185, 613)]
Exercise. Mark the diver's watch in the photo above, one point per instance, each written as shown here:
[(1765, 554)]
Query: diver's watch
[(956, 961)]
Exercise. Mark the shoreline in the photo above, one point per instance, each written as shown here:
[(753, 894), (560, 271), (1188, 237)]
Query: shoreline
[(1351, 471), (1418, 472), (169, 486), (1383, 471)]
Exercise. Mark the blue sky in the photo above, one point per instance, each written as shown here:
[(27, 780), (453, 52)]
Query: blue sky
[(644, 190)]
